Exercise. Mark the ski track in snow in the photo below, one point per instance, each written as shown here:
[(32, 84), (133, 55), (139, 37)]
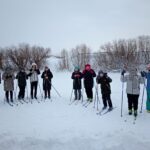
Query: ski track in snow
[(57, 125)]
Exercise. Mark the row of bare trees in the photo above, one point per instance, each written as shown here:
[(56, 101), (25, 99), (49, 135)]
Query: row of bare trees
[(23, 56), (112, 55)]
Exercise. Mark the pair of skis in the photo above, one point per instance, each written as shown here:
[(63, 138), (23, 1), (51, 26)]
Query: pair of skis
[(134, 120), (105, 111)]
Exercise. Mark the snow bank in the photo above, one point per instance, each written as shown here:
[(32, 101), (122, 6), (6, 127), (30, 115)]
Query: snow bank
[(58, 126)]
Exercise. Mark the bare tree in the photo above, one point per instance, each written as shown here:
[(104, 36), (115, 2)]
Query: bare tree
[(23, 55), (80, 55), (1, 58), (39, 55), (64, 62)]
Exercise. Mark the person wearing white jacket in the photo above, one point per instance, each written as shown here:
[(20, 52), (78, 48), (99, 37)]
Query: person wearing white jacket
[(34, 72), (132, 88)]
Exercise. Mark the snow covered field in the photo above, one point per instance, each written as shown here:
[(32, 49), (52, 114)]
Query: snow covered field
[(57, 125)]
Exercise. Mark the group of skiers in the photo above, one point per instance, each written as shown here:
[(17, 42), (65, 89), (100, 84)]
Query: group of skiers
[(8, 77), (88, 75), (132, 79)]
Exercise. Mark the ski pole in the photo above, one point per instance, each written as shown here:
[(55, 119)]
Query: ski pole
[(82, 91), (122, 96), (142, 97), (95, 97), (71, 95), (56, 91), (41, 91), (27, 91), (15, 92)]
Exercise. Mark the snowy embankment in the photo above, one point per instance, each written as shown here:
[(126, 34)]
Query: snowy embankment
[(58, 126)]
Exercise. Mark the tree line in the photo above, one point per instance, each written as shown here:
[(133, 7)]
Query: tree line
[(112, 55)]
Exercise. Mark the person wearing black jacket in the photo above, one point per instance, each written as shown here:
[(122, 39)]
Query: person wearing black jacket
[(104, 80), (21, 77), (88, 75), (34, 72), (77, 76), (47, 76)]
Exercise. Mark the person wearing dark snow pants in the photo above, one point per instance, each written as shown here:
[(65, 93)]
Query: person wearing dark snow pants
[(47, 76), (77, 85), (147, 76), (34, 72), (8, 77), (88, 75), (133, 88), (21, 77), (104, 80)]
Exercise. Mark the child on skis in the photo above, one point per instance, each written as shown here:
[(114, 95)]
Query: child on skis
[(88, 75), (8, 77), (133, 88), (104, 80), (21, 77), (47, 77), (77, 85), (147, 76), (34, 72)]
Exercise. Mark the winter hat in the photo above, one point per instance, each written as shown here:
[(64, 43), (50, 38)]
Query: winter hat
[(33, 64), (76, 68), (148, 67), (21, 69), (100, 72), (46, 67), (87, 67), (7, 68)]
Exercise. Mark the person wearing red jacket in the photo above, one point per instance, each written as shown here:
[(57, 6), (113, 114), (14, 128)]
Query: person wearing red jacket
[(88, 75)]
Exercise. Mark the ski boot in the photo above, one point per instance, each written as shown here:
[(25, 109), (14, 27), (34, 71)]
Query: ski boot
[(130, 111), (104, 107), (91, 100), (135, 113), (110, 108)]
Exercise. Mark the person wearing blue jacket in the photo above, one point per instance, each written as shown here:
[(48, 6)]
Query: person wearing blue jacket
[(147, 76)]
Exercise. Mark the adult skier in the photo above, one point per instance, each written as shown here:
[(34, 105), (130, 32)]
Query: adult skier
[(8, 77), (47, 76), (77, 85), (104, 80), (21, 77), (133, 88), (147, 76), (88, 75), (34, 72)]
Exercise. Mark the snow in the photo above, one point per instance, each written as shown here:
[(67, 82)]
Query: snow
[(57, 125)]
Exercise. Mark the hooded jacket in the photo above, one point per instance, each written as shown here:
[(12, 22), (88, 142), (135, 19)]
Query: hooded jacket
[(8, 77), (133, 82), (47, 76), (88, 76)]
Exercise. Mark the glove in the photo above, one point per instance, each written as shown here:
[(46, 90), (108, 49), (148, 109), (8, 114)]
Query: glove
[(123, 72), (8, 76), (77, 76), (142, 73)]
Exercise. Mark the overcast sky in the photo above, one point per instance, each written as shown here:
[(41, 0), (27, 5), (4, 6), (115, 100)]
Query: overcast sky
[(62, 24)]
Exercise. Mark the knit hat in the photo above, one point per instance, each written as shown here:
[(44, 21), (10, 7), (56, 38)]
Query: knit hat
[(33, 64), (148, 67), (76, 68), (46, 67), (87, 67)]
